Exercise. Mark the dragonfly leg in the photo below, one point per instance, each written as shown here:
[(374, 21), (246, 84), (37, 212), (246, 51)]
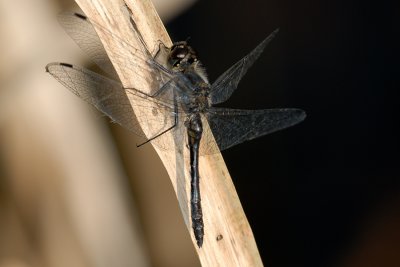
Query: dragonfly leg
[(158, 92)]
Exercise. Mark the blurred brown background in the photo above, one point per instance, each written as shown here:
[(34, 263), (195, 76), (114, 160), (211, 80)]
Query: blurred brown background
[(75, 191), (70, 193)]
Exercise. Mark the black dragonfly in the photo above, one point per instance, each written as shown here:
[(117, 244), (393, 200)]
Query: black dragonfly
[(178, 99)]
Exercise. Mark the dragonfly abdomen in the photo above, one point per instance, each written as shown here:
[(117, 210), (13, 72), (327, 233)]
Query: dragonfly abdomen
[(195, 131)]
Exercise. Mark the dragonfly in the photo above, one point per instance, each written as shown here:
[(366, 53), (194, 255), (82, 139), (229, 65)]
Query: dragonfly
[(174, 98)]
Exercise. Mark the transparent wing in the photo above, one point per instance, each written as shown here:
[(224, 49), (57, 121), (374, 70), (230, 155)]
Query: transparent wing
[(150, 75), (227, 83), (234, 126), (155, 114), (79, 28)]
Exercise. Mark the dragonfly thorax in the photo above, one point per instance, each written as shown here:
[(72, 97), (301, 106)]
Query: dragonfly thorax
[(197, 98)]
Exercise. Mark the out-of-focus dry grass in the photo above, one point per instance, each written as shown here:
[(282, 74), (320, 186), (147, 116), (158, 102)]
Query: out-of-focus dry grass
[(72, 192)]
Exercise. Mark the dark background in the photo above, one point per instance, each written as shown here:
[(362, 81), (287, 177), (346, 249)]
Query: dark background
[(313, 193)]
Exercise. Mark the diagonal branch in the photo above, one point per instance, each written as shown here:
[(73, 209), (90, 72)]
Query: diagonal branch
[(228, 239)]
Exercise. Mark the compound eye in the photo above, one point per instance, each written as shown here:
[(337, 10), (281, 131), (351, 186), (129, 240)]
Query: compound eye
[(179, 52)]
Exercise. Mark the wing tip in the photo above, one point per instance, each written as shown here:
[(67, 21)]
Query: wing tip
[(299, 115), (302, 115), (48, 66), (270, 37), (64, 18), (80, 16), (66, 65)]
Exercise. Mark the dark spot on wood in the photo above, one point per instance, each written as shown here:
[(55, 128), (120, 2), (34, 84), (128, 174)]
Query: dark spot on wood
[(219, 237), (154, 111)]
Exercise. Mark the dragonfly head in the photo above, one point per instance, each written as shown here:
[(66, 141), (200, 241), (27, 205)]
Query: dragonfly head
[(182, 56)]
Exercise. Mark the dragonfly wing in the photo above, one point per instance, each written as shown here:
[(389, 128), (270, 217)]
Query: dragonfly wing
[(234, 126), (82, 32), (113, 100), (227, 83), (149, 74)]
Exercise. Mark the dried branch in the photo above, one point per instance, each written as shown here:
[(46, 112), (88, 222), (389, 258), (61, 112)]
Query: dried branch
[(228, 239)]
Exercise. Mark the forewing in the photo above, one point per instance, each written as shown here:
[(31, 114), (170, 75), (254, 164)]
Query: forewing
[(142, 71), (227, 83), (150, 75), (234, 126), (79, 28), (114, 101)]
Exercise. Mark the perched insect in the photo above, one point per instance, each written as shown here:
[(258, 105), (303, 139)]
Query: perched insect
[(179, 98)]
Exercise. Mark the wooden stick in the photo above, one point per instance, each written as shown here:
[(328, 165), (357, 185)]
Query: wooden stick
[(228, 239)]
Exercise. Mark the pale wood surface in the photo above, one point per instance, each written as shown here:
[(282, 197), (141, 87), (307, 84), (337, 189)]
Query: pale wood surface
[(223, 213)]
